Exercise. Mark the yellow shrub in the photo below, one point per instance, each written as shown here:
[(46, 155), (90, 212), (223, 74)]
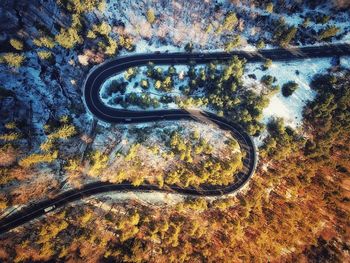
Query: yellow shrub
[(17, 44)]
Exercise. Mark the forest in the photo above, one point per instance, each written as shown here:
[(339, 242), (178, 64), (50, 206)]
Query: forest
[(294, 211), (295, 207)]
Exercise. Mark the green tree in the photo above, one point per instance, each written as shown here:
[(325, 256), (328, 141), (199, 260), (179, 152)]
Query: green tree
[(281, 142), (306, 22), (130, 73), (91, 34), (158, 84), (116, 87), (289, 88)]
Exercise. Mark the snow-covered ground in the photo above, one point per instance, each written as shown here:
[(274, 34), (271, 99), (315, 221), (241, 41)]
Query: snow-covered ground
[(50, 91), (133, 86), (144, 46), (345, 62), (180, 22), (289, 108), (301, 71), (148, 198)]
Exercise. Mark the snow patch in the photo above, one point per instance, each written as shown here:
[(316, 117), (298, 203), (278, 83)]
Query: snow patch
[(301, 71)]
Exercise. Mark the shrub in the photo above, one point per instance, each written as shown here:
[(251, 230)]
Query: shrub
[(230, 21), (103, 29), (267, 64), (151, 18), (234, 42), (68, 38), (64, 132), (126, 42), (44, 42), (283, 33), (328, 32), (268, 80), (17, 44), (115, 86), (144, 84), (82, 6), (99, 162), (9, 136), (269, 7), (44, 54), (112, 47), (13, 60), (260, 44)]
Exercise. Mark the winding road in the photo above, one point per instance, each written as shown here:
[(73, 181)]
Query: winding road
[(92, 86)]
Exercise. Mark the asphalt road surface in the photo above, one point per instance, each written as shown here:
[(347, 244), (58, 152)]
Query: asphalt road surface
[(92, 86)]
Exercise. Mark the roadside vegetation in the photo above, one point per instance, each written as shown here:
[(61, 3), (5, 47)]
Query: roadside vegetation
[(298, 201), (291, 197), (28, 175), (166, 157)]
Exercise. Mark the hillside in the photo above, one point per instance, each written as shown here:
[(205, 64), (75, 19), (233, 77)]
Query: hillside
[(296, 110)]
